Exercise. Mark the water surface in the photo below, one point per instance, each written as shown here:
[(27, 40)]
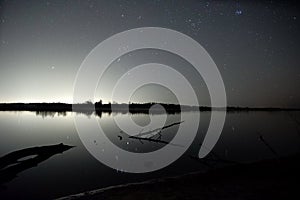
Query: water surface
[(76, 170)]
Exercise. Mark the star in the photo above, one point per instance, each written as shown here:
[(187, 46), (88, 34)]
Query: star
[(238, 12)]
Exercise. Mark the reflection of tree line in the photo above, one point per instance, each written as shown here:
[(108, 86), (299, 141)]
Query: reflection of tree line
[(50, 113)]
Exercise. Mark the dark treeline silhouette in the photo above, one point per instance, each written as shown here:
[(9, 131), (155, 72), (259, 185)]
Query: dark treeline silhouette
[(54, 107), (88, 108)]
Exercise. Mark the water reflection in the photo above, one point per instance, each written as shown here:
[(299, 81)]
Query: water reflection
[(99, 113), (44, 114), (78, 171)]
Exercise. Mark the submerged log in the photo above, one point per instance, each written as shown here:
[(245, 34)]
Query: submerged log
[(15, 162)]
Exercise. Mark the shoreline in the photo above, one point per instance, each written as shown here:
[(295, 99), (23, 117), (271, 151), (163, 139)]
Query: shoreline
[(128, 108), (266, 179)]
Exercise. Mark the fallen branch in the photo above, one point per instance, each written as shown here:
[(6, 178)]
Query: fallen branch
[(157, 129), (267, 145), (154, 140)]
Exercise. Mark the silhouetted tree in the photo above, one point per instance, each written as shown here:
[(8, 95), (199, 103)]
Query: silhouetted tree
[(98, 104), (88, 102)]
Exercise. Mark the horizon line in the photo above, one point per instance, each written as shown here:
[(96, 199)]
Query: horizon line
[(86, 102)]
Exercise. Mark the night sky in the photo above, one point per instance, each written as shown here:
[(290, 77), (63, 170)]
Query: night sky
[(255, 44)]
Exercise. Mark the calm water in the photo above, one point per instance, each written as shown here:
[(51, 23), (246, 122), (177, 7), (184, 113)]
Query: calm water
[(76, 170)]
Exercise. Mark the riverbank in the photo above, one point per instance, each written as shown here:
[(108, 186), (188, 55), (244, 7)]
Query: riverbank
[(268, 179), (127, 108)]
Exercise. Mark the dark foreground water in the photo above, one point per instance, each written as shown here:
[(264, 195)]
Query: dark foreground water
[(76, 170)]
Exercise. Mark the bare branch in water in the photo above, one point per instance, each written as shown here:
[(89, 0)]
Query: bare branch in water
[(267, 145), (158, 130), (154, 140)]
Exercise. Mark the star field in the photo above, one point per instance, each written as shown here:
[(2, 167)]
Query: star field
[(255, 44)]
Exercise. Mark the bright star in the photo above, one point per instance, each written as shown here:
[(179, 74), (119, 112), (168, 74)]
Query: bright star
[(238, 12)]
